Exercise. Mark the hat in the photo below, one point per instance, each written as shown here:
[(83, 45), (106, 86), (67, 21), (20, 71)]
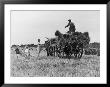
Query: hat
[(69, 20)]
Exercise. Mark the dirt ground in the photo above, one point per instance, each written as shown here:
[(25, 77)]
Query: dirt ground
[(43, 66)]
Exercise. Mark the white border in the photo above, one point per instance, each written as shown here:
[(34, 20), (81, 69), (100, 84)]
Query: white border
[(64, 80)]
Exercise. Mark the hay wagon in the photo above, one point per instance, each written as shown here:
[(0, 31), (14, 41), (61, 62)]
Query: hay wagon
[(67, 44)]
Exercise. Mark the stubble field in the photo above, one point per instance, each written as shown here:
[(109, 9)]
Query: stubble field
[(43, 66)]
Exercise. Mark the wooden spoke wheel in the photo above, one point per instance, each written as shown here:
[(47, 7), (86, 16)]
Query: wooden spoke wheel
[(79, 55), (75, 55)]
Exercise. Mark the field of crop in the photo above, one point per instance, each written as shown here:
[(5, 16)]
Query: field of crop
[(43, 66)]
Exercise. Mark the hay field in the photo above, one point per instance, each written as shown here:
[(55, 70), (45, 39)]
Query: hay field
[(43, 66)]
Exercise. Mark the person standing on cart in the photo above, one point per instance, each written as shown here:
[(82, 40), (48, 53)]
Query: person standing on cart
[(71, 27)]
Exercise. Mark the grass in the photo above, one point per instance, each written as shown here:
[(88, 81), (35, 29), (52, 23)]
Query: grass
[(43, 66)]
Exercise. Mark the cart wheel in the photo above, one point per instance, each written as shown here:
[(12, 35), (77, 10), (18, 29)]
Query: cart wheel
[(80, 53), (75, 55)]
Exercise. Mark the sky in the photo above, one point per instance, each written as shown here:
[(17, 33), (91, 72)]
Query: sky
[(28, 26)]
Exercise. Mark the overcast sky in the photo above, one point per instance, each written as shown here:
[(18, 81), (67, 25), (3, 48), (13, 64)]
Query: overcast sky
[(28, 26)]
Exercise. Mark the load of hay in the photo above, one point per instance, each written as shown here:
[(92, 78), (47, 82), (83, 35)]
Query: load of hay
[(74, 37)]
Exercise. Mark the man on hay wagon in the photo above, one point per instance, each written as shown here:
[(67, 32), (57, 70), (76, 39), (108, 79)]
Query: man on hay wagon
[(71, 27)]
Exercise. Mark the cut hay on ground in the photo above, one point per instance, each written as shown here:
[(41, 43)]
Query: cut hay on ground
[(43, 66)]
